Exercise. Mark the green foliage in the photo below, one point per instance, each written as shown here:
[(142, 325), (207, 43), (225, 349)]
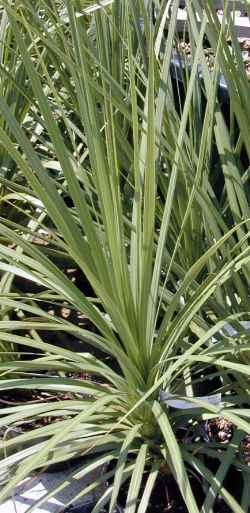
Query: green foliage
[(167, 261)]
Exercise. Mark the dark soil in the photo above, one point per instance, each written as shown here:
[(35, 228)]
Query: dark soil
[(166, 497), (17, 397)]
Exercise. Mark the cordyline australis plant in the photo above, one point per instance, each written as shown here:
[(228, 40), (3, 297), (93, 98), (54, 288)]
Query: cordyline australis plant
[(126, 160)]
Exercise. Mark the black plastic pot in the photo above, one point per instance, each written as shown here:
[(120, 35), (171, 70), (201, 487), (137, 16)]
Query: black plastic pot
[(178, 65), (65, 465), (88, 508), (85, 508)]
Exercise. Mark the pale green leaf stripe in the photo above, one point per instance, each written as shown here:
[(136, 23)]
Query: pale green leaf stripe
[(57, 384), (136, 479), (148, 210), (154, 472), (172, 183), (136, 236), (176, 457), (121, 465)]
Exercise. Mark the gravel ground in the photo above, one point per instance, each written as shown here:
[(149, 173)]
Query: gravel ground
[(185, 48)]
